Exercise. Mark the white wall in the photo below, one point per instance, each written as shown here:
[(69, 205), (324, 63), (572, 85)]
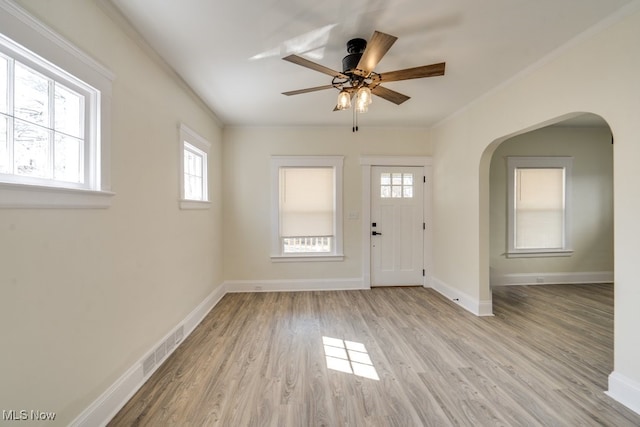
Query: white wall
[(247, 218), (592, 205), (598, 73), (85, 293)]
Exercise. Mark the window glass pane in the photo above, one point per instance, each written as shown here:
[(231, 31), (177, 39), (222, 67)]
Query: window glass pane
[(396, 179), (69, 111), (385, 191), (193, 188), (188, 162), (539, 208), (68, 159), (4, 84), (385, 179), (197, 165), (307, 244), (306, 202), (31, 96), (31, 150), (407, 179), (5, 165), (193, 175), (396, 191), (407, 192)]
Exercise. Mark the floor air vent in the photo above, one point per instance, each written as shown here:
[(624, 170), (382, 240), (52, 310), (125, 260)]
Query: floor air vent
[(164, 349)]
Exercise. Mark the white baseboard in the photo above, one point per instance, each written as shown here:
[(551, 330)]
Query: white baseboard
[(289, 285), (552, 278), (105, 407), (625, 391), (475, 306)]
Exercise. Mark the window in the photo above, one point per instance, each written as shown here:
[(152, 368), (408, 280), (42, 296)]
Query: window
[(307, 208), (396, 185), (54, 126), (193, 170), (42, 127), (539, 206)]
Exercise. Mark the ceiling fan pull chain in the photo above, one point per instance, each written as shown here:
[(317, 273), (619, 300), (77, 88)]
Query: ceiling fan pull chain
[(354, 128)]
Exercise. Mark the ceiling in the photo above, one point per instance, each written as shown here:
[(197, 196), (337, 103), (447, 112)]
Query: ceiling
[(229, 52)]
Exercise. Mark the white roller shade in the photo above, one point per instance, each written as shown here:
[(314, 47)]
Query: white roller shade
[(539, 208), (306, 201)]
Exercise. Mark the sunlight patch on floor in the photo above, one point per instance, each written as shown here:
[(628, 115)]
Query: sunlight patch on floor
[(349, 357)]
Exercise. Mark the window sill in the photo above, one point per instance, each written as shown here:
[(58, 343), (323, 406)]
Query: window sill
[(19, 196), (194, 204), (540, 254), (307, 258)]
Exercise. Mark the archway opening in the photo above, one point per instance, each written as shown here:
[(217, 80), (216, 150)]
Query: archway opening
[(521, 207)]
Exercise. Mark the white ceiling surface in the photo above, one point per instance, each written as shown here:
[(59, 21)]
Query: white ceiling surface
[(229, 52)]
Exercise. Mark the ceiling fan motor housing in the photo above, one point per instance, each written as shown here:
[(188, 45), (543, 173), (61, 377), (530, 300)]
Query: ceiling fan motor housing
[(355, 48)]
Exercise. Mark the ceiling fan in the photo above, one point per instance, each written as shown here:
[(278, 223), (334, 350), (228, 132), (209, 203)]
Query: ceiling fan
[(358, 79)]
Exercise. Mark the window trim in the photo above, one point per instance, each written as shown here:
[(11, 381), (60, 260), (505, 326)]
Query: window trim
[(22, 33), (517, 162), (335, 162), (192, 138)]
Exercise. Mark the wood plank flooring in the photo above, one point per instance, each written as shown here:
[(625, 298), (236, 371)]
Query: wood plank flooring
[(406, 357)]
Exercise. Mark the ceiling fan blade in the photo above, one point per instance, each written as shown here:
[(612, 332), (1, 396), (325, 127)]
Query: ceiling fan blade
[(376, 48), (314, 66), (390, 95), (412, 73), (307, 90)]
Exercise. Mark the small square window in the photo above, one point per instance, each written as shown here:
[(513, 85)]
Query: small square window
[(396, 185)]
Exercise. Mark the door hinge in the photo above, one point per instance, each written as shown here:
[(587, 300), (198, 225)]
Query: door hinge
[(424, 226), (423, 273), (424, 179)]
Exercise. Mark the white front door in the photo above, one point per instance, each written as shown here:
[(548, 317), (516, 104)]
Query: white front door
[(397, 230)]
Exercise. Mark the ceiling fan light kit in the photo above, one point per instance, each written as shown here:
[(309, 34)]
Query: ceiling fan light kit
[(358, 78), (363, 96), (344, 100)]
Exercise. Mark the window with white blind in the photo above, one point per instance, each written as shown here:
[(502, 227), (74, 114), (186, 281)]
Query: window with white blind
[(539, 206), (307, 207)]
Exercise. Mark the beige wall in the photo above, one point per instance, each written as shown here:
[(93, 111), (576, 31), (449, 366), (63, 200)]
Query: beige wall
[(85, 293), (592, 200), (597, 74), (247, 210)]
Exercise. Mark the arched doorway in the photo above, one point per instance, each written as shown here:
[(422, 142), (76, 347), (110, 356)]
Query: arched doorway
[(586, 141)]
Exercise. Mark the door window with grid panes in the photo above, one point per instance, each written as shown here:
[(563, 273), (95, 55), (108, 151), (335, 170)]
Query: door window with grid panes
[(396, 185)]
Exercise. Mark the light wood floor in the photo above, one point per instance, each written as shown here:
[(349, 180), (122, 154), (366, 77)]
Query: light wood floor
[(259, 360)]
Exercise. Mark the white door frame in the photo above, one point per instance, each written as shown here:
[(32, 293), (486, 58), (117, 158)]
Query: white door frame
[(367, 162)]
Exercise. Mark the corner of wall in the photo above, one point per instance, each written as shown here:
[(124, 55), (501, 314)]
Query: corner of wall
[(473, 305), (625, 391)]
